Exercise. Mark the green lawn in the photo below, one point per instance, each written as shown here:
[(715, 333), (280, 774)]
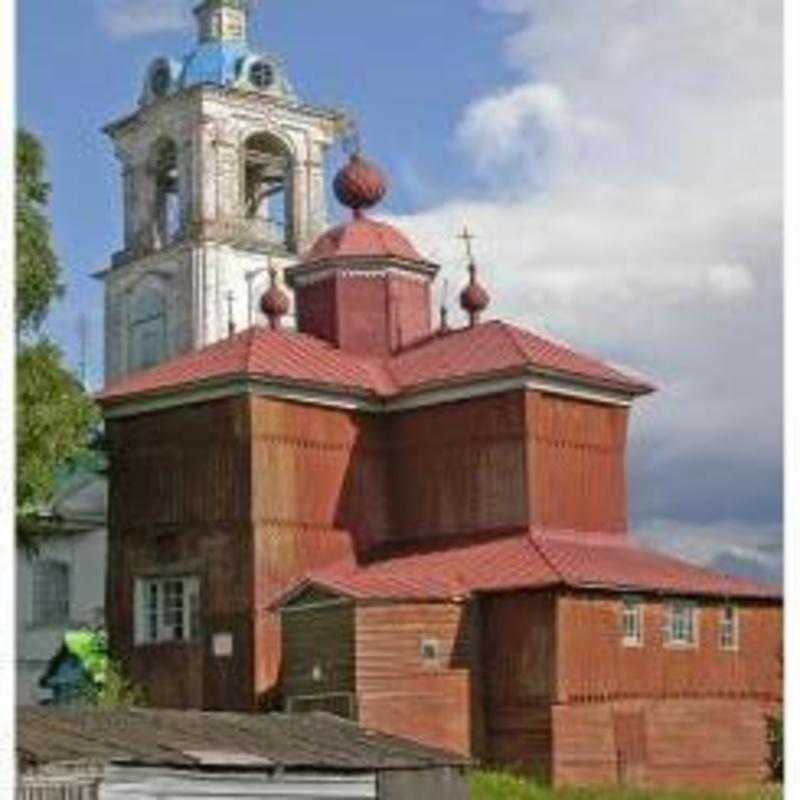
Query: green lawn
[(500, 786)]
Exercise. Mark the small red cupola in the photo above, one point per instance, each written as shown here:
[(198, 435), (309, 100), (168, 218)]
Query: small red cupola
[(363, 285), (274, 302), (474, 298)]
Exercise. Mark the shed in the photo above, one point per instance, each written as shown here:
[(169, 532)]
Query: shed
[(85, 754)]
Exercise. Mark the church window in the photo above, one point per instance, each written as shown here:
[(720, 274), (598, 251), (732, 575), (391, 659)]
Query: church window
[(729, 628), (167, 202), (160, 79), (50, 593), (148, 330), (682, 624), (262, 74), (632, 622), (167, 610), (267, 187)]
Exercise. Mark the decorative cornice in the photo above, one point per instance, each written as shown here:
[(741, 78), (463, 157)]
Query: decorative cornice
[(307, 275), (345, 399)]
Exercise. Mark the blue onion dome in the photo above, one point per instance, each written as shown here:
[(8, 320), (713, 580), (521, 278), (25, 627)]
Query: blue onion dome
[(222, 57)]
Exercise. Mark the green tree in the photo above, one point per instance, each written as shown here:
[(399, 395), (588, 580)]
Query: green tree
[(37, 266), (55, 416)]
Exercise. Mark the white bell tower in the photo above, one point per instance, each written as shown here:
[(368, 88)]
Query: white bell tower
[(223, 172)]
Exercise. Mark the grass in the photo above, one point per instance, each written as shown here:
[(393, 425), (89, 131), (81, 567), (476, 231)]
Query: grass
[(502, 786)]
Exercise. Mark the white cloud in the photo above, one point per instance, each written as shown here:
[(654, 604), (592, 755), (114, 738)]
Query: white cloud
[(632, 202), (127, 18)]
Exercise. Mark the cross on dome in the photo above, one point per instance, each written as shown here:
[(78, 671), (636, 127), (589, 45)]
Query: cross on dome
[(474, 298), (468, 238)]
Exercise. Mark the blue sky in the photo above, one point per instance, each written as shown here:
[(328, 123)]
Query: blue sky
[(620, 163)]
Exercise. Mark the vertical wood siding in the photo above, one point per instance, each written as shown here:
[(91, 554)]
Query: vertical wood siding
[(322, 637), (519, 673), (319, 487), (594, 665), (459, 468), (576, 457), (709, 743)]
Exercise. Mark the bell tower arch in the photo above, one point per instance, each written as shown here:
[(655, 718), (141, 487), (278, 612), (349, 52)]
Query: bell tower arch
[(222, 165)]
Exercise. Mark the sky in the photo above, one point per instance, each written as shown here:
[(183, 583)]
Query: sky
[(619, 163)]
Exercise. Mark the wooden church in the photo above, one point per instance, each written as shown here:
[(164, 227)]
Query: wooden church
[(370, 512)]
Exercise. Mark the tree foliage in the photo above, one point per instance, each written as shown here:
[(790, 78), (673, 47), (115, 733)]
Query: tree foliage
[(55, 417), (775, 741), (117, 690), (37, 265)]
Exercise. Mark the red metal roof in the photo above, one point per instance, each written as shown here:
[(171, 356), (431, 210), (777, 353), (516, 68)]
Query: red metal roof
[(362, 237), (498, 347), (259, 352), (525, 561), (484, 351)]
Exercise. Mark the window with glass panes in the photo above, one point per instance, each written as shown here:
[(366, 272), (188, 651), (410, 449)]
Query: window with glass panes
[(729, 628), (681, 624), (167, 609), (50, 592), (632, 621)]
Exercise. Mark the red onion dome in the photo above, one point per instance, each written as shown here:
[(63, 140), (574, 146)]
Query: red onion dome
[(274, 302), (474, 298), (359, 184)]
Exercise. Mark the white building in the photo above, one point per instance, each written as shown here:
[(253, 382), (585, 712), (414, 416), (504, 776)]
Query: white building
[(62, 587)]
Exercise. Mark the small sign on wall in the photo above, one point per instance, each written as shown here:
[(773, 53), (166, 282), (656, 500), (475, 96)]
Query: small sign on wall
[(222, 645)]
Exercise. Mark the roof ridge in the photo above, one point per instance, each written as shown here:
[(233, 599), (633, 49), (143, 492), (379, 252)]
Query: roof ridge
[(531, 538), (512, 333)]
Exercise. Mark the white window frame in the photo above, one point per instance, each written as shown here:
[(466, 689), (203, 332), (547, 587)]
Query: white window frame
[(38, 578), (729, 628), (632, 621), (430, 652), (682, 640), (167, 609)]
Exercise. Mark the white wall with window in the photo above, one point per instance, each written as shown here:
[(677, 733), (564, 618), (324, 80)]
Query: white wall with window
[(682, 624), (632, 621), (167, 609), (59, 589)]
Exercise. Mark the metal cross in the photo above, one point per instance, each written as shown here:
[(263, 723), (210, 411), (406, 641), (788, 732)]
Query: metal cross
[(351, 139), (467, 238)]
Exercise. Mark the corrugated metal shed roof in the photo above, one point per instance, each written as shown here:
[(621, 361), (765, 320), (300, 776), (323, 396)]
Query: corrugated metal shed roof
[(198, 739)]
